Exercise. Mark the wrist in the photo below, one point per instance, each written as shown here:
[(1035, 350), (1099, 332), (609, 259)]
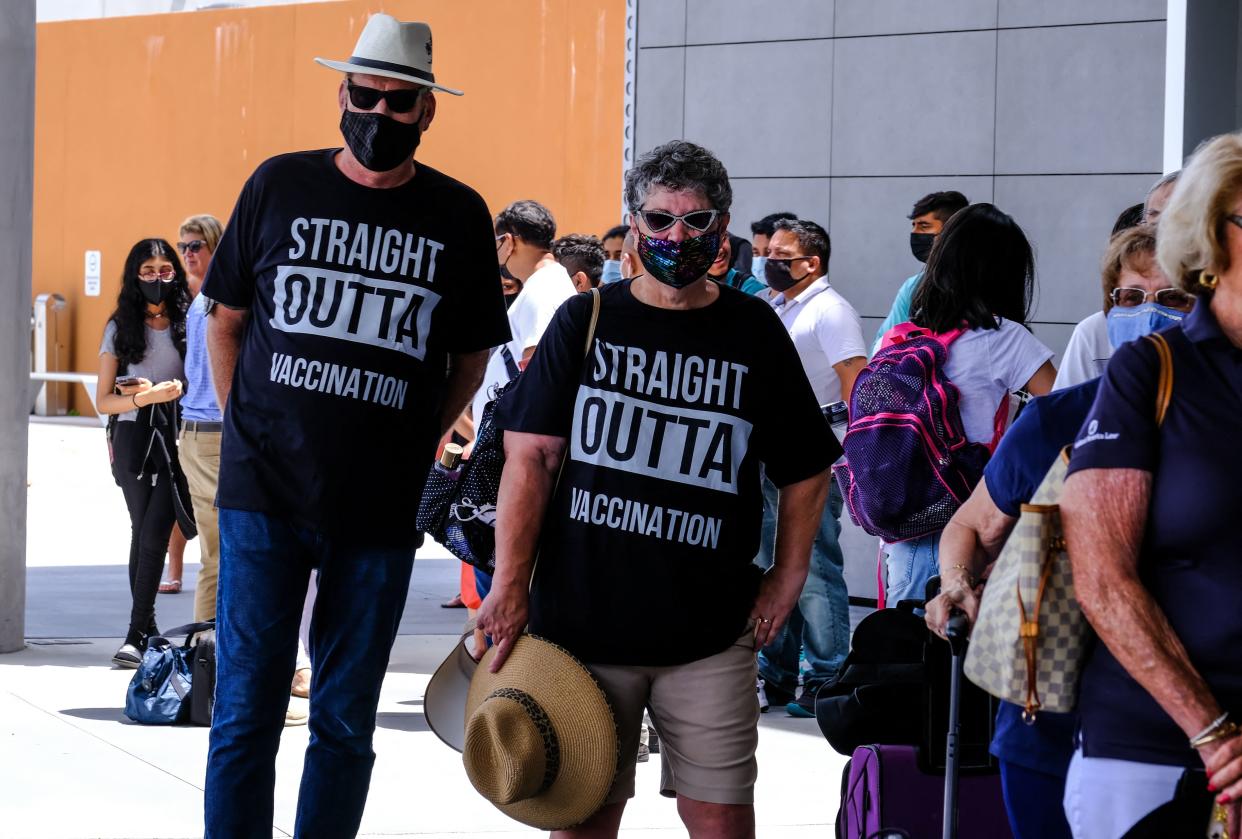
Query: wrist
[(134, 398), (957, 575)]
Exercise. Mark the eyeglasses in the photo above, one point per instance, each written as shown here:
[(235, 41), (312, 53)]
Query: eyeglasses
[(658, 221), (1174, 298), (193, 247), (152, 276), (399, 101), (788, 259)]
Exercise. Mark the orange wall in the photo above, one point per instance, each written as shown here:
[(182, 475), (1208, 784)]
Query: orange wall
[(142, 121)]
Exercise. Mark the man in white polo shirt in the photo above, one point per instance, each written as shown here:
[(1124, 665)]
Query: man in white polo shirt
[(524, 234), (827, 333)]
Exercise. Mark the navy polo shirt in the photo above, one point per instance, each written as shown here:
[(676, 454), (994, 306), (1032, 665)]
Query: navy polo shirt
[(1191, 557), (1023, 458)]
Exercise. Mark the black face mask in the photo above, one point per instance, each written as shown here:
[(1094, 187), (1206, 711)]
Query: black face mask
[(380, 143), (921, 245), (779, 274), (155, 292)]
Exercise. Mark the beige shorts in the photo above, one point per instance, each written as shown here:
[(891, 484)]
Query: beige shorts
[(707, 715)]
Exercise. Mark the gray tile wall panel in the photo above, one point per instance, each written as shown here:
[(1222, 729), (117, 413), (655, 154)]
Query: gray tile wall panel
[(885, 122), (1080, 99), (1061, 12), (860, 550), (1068, 220), (871, 235), (891, 17), (726, 21), (759, 129), (661, 22), (754, 198), (1055, 336), (658, 108)]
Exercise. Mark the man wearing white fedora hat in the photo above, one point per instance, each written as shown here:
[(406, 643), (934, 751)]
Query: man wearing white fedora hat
[(359, 297), (645, 542)]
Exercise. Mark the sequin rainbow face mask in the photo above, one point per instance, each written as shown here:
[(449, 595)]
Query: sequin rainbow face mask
[(678, 264)]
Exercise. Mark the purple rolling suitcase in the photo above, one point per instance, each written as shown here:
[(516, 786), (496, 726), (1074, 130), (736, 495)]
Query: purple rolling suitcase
[(884, 790), (886, 795)]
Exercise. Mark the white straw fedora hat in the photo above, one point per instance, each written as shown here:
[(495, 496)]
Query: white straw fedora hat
[(538, 739), (391, 48)]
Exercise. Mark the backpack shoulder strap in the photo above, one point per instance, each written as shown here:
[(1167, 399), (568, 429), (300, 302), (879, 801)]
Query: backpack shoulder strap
[(1164, 384)]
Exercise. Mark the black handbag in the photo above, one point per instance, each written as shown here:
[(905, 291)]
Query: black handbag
[(458, 506), (160, 693)]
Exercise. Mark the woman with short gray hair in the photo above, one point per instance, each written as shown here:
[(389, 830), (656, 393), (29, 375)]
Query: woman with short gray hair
[(1150, 510)]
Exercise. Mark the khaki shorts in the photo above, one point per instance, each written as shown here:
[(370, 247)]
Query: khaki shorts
[(707, 715)]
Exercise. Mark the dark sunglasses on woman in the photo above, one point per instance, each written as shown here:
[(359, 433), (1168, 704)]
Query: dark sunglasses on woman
[(192, 247)]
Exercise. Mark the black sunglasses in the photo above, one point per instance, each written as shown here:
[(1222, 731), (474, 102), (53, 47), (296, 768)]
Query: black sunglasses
[(193, 247), (659, 221), (399, 101)]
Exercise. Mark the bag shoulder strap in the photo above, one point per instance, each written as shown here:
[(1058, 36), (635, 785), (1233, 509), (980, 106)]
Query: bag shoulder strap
[(586, 351), (1164, 384)]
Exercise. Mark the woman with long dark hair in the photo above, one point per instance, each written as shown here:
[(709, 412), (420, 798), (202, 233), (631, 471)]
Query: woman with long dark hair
[(980, 277), (141, 370)]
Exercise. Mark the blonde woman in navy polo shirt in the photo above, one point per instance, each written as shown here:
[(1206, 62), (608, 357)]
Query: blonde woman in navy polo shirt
[(1151, 519)]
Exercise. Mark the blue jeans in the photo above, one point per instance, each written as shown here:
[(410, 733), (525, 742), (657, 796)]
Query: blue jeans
[(265, 565), (820, 624), (908, 566)]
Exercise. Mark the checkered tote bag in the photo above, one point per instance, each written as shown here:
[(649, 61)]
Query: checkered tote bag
[(1028, 642)]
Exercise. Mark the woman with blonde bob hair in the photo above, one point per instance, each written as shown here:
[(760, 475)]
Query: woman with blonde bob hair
[(1150, 514)]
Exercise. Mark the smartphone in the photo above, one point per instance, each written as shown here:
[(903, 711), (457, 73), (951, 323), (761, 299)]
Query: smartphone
[(126, 381)]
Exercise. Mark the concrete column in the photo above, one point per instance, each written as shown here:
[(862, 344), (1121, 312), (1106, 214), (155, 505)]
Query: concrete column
[(17, 68), (1203, 75)]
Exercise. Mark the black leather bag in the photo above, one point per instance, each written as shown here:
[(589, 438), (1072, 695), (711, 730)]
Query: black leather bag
[(458, 507)]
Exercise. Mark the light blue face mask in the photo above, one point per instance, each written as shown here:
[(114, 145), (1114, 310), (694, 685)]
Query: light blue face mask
[(756, 266), (612, 271), (1127, 324)]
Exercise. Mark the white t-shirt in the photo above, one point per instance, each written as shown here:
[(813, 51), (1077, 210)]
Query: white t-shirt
[(825, 330), (541, 295), (987, 365), (1086, 354)]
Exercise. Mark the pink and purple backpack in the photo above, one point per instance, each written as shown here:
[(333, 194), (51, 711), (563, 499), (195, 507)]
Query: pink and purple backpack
[(908, 464)]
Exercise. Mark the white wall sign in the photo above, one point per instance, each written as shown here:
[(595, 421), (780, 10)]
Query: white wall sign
[(93, 273)]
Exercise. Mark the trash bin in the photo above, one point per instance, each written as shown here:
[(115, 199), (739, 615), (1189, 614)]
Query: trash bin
[(50, 352)]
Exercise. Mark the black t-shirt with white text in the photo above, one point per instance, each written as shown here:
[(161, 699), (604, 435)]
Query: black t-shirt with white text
[(646, 552), (356, 296)]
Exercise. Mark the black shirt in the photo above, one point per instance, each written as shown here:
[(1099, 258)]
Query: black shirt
[(645, 556), (1191, 557), (356, 298)]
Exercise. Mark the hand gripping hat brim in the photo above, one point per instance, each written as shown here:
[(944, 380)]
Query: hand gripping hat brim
[(393, 49), (573, 721)]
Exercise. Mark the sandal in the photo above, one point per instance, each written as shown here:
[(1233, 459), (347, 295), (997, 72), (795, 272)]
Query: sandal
[(170, 587), (455, 603)]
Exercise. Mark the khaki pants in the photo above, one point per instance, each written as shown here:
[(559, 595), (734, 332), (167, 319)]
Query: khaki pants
[(200, 458)]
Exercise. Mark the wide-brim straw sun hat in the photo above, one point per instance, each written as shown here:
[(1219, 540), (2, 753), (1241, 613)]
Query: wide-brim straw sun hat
[(393, 49), (538, 739)]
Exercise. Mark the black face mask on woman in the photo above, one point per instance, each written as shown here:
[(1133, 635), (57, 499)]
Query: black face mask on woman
[(155, 291), (380, 143)]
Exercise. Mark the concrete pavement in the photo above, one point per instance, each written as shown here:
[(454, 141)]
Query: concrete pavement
[(71, 765)]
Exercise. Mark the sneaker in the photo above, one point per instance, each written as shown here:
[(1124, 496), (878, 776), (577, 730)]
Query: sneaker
[(804, 706), (128, 657), (770, 695), (297, 713)]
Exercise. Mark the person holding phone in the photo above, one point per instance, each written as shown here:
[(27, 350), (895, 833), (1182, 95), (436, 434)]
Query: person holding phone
[(141, 374)]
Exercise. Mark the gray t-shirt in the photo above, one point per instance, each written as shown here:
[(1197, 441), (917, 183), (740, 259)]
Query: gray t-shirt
[(161, 363)]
